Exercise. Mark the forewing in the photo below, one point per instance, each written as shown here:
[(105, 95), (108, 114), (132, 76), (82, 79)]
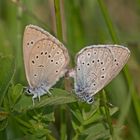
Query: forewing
[(45, 57), (120, 57), (96, 67)]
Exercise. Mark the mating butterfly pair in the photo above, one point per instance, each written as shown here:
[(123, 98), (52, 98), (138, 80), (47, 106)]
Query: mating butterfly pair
[(46, 60)]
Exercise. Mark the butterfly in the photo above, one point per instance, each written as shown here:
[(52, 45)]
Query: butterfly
[(45, 60), (96, 66)]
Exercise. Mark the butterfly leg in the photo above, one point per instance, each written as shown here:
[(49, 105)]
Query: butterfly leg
[(33, 98), (49, 92), (38, 97), (73, 90)]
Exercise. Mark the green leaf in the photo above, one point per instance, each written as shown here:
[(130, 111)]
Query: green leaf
[(96, 131), (77, 114), (3, 115), (7, 69), (13, 96), (89, 114), (113, 110), (24, 103), (16, 93), (58, 97), (3, 124), (84, 113)]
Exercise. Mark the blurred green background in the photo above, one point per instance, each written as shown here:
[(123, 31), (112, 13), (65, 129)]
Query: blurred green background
[(84, 22)]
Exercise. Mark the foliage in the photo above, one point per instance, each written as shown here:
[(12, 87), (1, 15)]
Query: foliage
[(115, 113)]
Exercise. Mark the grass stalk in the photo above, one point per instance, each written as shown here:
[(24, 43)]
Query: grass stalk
[(108, 21), (63, 127), (126, 72), (107, 112), (58, 19)]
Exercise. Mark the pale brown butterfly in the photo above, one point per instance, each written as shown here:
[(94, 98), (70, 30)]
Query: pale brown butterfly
[(96, 66), (45, 59)]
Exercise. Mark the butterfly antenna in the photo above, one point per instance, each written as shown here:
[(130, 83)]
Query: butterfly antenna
[(24, 87)]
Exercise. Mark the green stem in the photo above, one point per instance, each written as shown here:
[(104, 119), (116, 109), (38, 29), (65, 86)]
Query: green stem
[(107, 112), (63, 127), (134, 94), (63, 124), (19, 38), (108, 21), (58, 19), (126, 72)]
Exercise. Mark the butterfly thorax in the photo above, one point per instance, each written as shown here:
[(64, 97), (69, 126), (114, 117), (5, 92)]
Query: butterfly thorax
[(41, 90)]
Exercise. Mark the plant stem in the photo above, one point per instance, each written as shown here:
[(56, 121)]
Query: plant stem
[(63, 127), (58, 19), (107, 112), (108, 21), (126, 72)]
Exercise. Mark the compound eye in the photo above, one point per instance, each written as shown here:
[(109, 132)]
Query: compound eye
[(28, 91), (90, 101)]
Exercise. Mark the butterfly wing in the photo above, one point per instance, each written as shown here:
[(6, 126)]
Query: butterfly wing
[(45, 57), (97, 65), (120, 57)]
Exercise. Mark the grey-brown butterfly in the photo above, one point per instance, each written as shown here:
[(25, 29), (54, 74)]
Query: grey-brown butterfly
[(96, 66), (45, 60)]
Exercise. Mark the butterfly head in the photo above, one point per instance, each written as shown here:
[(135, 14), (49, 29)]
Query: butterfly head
[(29, 91), (88, 99), (85, 97)]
